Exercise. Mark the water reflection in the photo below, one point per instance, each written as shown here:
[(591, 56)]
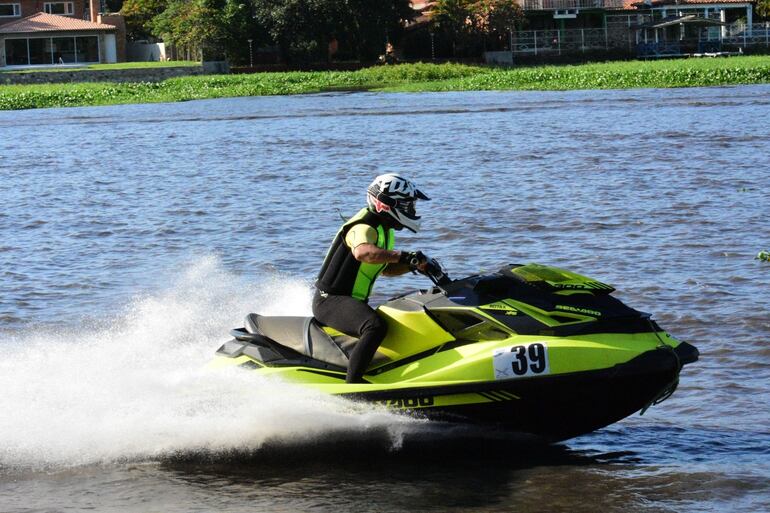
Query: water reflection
[(425, 474), (476, 472)]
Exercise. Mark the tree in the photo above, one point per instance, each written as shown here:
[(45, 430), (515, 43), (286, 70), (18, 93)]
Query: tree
[(139, 16), (762, 7), (455, 21), (501, 15), (216, 29), (451, 16), (239, 25), (496, 19), (473, 24), (301, 28), (196, 25), (368, 25)]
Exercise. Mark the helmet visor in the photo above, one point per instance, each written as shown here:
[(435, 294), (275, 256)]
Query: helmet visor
[(407, 208)]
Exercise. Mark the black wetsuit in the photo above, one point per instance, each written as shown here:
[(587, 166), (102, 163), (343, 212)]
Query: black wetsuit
[(343, 289)]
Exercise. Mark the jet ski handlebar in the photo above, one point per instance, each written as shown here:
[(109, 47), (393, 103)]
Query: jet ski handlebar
[(436, 274)]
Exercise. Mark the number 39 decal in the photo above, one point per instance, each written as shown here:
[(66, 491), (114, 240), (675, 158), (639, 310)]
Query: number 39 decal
[(522, 360)]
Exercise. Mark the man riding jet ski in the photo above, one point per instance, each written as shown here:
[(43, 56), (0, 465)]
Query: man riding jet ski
[(361, 250), (530, 348)]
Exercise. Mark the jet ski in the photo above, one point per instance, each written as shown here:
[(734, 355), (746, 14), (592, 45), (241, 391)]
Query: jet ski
[(531, 348)]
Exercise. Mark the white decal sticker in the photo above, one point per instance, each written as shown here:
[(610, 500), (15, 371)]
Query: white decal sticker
[(520, 361)]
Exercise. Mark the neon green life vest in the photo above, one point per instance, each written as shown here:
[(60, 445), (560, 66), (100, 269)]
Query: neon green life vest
[(341, 274)]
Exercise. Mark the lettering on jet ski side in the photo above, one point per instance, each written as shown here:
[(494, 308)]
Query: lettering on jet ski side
[(575, 309), (587, 285), (500, 307), (521, 361), (410, 402)]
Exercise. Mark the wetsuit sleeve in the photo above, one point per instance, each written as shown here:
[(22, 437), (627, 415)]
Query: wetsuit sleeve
[(361, 234)]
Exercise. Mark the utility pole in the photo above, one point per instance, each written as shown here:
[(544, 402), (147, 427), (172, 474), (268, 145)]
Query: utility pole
[(432, 48)]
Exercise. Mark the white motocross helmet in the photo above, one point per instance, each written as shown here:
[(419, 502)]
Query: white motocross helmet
[(393, 195)]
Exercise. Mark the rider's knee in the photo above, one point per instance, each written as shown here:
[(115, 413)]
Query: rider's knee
[(375, 325)]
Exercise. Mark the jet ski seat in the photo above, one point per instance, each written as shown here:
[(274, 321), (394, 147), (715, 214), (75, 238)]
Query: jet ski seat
[(306, 336), (302, 334)]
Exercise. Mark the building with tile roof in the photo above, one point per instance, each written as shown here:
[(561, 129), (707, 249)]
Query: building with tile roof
[(35, 33), (555, 27), (14, 10)]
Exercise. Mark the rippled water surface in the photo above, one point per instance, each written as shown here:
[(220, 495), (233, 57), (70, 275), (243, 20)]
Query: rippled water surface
[(133, 237)]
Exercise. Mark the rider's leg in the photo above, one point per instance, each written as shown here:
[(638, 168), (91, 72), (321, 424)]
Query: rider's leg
[(357, 319)]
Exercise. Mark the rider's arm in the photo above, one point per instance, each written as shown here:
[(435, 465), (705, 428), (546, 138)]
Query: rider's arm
[(371, 254), (396, 269), (361, 240)]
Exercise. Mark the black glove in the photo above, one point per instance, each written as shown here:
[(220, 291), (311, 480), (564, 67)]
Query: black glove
[(413, 258)]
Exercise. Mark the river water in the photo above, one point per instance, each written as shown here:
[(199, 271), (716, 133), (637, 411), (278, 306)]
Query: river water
[(132, 238)]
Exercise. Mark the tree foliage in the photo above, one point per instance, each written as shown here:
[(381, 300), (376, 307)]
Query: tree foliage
[(193, 24), (762, 7), (369, 24), (499, 16), (471, 24), (213, 29), (302, 29), (139, 15)]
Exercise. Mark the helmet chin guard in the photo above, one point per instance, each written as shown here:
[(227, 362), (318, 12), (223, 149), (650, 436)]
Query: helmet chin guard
[(393, 196)]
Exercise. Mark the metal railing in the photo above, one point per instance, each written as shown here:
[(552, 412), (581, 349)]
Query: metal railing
[(711, 39), (538, 42), (561, 5), (751, 34)]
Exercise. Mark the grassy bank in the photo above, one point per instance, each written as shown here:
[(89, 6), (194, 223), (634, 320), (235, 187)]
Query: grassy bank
[(407, 77)]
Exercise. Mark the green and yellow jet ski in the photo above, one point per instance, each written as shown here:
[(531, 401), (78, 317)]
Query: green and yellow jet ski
[(530, 348)]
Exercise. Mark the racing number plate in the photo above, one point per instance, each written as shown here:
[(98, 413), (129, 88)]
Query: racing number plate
[(521, 360)]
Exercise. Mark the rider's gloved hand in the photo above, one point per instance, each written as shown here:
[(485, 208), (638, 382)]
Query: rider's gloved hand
[(415, 259)]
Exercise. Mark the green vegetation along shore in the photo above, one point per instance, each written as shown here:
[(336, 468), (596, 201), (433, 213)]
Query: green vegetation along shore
[(405, 77)]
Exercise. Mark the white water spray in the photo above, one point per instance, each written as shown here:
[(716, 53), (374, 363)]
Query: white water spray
[(139, 389)]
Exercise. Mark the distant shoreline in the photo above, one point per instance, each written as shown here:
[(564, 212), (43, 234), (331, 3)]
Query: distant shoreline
[(420, 77)]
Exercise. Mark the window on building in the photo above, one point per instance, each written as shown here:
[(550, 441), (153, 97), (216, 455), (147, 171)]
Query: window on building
[(52, 50), (87, 48), (64, 8), (10, 10), (16, 53), (40, 51), (64, 50)]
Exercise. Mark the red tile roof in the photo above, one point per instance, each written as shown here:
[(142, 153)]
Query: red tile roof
[(42, 22)]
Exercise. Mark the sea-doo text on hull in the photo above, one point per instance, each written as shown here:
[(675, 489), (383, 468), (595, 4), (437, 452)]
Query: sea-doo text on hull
[(531, 348)]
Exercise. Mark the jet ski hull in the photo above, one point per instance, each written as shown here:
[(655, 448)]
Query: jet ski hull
[(552, 408)]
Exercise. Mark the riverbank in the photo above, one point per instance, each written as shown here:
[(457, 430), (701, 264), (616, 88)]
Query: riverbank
[(402, 78)]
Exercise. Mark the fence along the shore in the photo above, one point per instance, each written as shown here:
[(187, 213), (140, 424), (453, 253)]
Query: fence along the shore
[(621, 36)]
